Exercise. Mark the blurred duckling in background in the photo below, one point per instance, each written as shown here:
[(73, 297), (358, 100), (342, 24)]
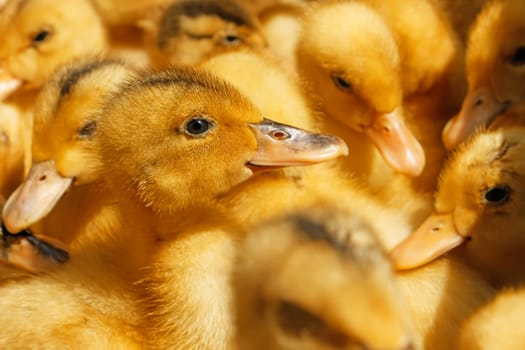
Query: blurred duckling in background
[(172, 144), (478, 206), (363, 72), (60, 192), (39, 36), (318, 279), (189, 31), (498, 325), (495, 66)]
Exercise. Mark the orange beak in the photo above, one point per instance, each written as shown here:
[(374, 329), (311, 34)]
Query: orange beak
[(396, 143), (281, 145), (479, 107), (436, 236), (35, 197)]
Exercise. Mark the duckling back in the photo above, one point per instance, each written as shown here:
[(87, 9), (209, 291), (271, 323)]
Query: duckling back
[(317, 279)]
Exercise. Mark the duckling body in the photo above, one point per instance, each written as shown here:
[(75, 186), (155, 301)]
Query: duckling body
[(351, 299), (496, 325)]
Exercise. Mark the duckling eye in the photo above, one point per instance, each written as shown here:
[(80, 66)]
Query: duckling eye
[(87, 130), (231, 39), (41, 36), (198, 126), (518, 57), (342, 83), (497, 195)]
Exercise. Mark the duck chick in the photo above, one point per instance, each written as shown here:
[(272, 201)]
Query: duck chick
[(496, 325), (35, 45), (191, 30), (67, 112), (342, 85), (494, 65), (351, 299), (478, 207), (173, 143)]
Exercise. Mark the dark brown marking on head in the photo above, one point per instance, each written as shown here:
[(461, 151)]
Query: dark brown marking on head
[(298, 322), (73, 76), (316, 231), (227, 10)]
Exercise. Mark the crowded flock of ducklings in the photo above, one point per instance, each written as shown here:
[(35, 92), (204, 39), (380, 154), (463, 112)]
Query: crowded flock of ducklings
[(262, 174)]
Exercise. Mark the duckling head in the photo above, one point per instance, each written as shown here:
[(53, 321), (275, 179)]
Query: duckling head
[(40, 35), (182, 136), (479, 205), (317, 279), (192, 30), (348, 57), (495, 68), (67, 114)]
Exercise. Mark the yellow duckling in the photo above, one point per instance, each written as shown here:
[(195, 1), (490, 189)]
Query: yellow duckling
[(363, 71), (497, 325), (67, 112), (189, 31), (170, 162), (494, 65), (318, 279), (478, 207), (39, 35)]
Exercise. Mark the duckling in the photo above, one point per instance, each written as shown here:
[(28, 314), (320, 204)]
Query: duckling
[(39, 36), (348, 298), (477, 206), (191, 30), (497, 325), (63, 159), (158, 172), (494, 66), (391, 66)]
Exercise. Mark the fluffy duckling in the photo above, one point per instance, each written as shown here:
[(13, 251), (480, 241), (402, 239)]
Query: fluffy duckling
[(189, 31), (348, 299), (478, 207), (39, 36), (67, 112), (497, 325), (158, 172), (494, 65), (348, 95), (35, 45)]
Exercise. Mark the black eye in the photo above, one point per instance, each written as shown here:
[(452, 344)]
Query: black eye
[(41, 36), (198, 126), (342, 83), (231, 39), (518, 57), (497, 194), (87, 130)]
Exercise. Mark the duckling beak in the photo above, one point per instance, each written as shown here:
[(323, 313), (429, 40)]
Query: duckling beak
[(281, 145), (436, 236), (479, 107), (8, 84), (35, 197), (396, 143)]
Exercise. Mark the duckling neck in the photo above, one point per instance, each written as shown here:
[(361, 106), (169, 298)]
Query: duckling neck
[(364, 161)]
